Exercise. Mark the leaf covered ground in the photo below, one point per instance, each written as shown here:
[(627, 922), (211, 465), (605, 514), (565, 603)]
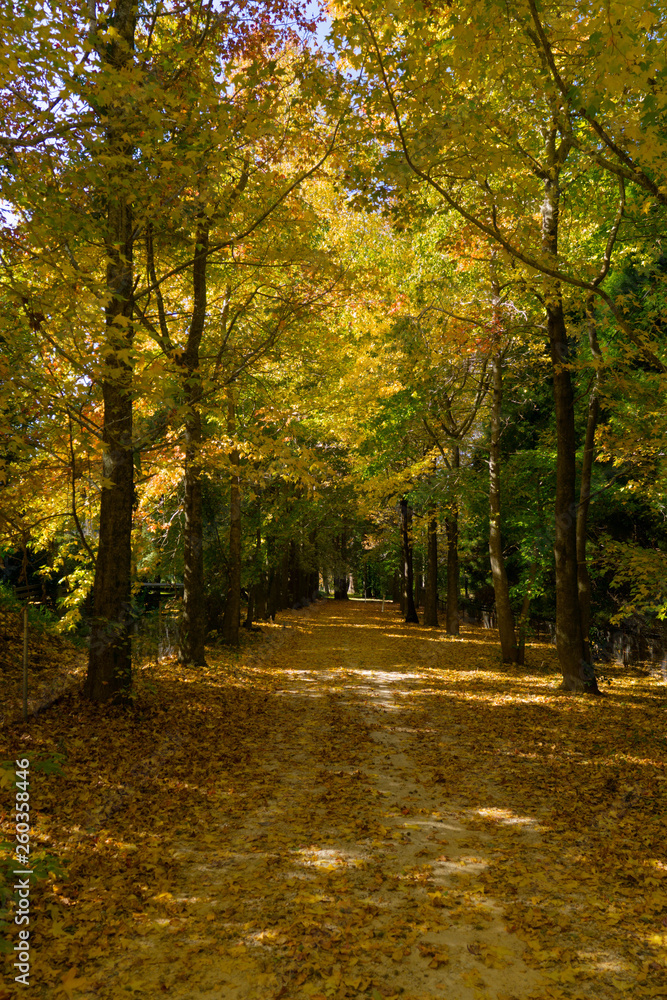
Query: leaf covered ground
[(351, 807), (54, 664)]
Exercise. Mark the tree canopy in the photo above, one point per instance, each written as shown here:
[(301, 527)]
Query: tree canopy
[(276, 313)]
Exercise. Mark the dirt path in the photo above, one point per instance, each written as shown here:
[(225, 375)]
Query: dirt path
[(350, 871), (353, 808)]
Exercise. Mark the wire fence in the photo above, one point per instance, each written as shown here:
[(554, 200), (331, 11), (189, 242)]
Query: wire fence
[(155, 634), (38, 666), (638, 643)]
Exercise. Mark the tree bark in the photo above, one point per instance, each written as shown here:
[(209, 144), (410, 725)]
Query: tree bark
[(342, 579), (583, 578), (193, 625), (508, 644), (452, 530), (578, 674), (250, 609), (569, 636), (110, 657), (232, 615), (410, 611), (274, 593), (431, 595), (418, 564)]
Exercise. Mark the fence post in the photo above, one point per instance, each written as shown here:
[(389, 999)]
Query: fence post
[(25, 663)]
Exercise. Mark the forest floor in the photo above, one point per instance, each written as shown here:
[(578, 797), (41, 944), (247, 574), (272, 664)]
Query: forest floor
[(350, 808)]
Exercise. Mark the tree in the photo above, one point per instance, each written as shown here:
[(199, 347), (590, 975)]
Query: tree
[(473, 164), (115, 182)]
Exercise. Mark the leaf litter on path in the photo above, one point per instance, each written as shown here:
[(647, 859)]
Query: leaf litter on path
[(353, 807)]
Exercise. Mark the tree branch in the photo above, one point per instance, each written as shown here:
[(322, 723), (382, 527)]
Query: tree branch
[(494, 233)]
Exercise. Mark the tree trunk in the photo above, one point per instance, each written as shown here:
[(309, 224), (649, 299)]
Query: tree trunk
[(274, 593), (250, 609), (578, 674), (583, 578), (406, 533), (508, 645), (569, 637), (110, 657), (261, 598), (452, 530), (193, 625), (259, 589), (232, 615), (342, 580), (418, 564), (431, 595)]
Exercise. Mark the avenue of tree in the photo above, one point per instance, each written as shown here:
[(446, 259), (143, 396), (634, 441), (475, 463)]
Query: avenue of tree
[(275, 313)]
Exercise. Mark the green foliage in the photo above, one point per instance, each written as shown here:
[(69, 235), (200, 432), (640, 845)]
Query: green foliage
[(39, 617), (374, 225)]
